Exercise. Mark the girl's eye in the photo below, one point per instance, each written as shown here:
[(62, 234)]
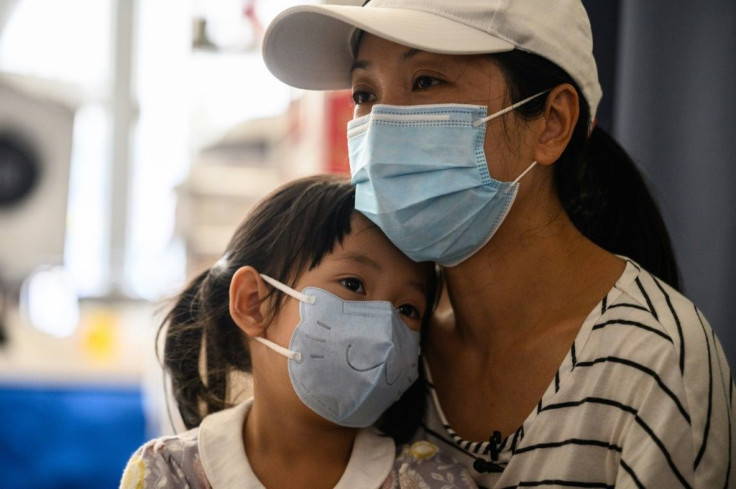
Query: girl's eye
[(361, 97), (409, 311), (353, 284), (424, 82)]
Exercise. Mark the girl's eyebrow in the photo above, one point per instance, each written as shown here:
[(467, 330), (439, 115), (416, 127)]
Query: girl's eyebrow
[(362, 259)]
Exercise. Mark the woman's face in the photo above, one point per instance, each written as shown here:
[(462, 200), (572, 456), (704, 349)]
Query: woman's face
[(388, 73)]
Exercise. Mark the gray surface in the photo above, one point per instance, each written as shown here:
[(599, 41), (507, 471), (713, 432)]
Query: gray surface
[(675, 112)]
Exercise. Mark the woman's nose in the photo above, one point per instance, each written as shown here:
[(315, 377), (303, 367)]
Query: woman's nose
[(389, 94), (393, 95)]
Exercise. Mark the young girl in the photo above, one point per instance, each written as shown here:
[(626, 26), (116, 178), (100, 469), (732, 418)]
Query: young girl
[(329, 353)]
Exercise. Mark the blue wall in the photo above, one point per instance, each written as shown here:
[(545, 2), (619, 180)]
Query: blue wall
[(77, 437)]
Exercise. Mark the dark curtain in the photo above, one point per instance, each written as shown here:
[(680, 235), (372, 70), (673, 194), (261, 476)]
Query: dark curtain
[(668, 71)]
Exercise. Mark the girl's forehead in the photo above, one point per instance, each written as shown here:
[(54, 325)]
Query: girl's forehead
[(359, 222)]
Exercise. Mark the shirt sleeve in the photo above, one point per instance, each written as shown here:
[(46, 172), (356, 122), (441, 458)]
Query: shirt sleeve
[(681, 431), (164, 464), (656, 440), (422, 465)]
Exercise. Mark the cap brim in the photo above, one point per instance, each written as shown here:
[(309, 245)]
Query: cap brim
[(309, 46)]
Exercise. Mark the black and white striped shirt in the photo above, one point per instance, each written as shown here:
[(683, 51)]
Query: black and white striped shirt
[(643, 399)]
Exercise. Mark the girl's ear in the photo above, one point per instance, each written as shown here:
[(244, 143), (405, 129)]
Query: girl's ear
[(247, 291), (560, 117)]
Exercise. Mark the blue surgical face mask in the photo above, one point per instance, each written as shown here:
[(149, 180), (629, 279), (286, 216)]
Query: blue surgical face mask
[(348, 360), (421, 176)]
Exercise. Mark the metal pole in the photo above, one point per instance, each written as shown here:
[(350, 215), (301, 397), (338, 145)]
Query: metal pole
[(123, 115)]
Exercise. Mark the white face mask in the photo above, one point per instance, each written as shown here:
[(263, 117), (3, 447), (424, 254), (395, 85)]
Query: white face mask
[(348, 360), (421, 176)]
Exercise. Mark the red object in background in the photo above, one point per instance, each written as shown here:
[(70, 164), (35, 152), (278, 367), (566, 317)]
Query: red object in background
[(249, 12), (338, 111)]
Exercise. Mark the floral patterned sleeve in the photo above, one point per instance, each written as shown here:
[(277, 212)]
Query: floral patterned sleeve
[(421, 465), (166, 463)]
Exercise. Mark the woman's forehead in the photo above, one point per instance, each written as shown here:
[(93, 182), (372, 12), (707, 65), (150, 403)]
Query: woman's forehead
[(372, 48)]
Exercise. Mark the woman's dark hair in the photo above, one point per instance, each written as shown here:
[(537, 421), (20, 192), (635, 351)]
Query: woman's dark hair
[(286, 234), (600, 187)]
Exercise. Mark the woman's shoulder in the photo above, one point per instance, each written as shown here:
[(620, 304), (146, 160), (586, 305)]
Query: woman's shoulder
[(423, 464), (642, 304), (643, 318), (166, 462), (638, 291)]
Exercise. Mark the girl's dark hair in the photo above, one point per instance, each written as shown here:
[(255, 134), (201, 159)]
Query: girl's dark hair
[(600, 187), (286, 234)]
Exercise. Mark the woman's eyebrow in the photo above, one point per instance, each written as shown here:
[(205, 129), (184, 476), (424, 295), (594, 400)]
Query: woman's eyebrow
[(361, 64), (409, 53)]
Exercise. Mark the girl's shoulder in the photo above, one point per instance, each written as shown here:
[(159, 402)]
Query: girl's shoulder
[(167, 462), (422, 464)]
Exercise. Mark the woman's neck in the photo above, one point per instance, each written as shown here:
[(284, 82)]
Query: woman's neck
[(516, 307), (295, 449), (528, 280)]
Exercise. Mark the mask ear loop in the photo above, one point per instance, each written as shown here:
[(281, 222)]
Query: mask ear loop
[(295, 355), (507, 109), (309, 299), (504, 111), (524, 173), (510, 187)]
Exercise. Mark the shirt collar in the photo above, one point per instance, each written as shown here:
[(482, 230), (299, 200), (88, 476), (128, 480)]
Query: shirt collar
[(226, 465)]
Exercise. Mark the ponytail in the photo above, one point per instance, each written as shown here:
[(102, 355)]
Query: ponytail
[(608, 200), (198, 323), (600, 187), (182, 346)]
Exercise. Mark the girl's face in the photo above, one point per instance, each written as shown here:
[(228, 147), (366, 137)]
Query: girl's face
[(388, 73), (367, 266)]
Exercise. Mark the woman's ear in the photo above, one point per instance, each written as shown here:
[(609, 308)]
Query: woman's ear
[(559, 119), (247, 292)]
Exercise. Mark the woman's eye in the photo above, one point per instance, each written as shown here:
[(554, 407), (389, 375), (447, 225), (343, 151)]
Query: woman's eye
[(424, 82), (353, 284), (361, 97), (409, 311)]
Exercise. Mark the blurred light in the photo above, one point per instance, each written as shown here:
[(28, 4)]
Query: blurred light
[(53, 40), (86, 253), (50, 302)]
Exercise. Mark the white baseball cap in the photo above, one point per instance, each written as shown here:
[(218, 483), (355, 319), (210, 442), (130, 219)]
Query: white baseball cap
[(310, 46)]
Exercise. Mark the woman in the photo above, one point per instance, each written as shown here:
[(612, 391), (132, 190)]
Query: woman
[(562, 362)]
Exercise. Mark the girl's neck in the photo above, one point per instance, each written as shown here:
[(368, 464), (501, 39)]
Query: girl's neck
[(288, 449)]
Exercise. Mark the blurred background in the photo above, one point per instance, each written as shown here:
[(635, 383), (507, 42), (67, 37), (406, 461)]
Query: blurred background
[(136, 134)]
